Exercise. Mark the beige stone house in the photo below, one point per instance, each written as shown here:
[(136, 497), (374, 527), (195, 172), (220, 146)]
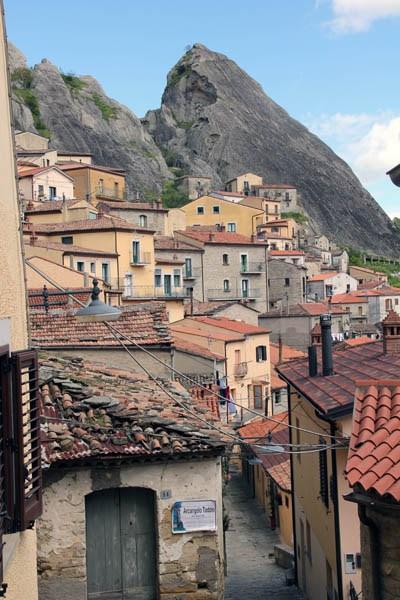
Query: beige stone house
[(20, 483), (41, 184), (149, 215), (133, 494), (194, 186), (243, 183)]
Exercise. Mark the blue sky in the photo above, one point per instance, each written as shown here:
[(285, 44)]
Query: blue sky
[(332, 64)]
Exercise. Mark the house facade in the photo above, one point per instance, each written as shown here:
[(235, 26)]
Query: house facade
[(42, 184), (193, 186), (94, 182), (149, 215), (324, 285), (243, 184), (133, 511), (286, 284)]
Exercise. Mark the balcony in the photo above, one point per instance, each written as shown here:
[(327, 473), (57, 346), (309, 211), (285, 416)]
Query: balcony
[(140, 260), (252, 268), (110, 193), (240, 370), (191, 273), (233, 294), (149, 292)]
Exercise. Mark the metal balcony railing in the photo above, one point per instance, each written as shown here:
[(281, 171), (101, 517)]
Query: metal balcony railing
[(113, 193), (240, 369), (233, 294), (150, 292), (191, 273), (255, 268), (140, 260)]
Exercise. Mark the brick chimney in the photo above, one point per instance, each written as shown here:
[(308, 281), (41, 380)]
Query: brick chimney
[(211, 236), (316, 335), (391, 333)]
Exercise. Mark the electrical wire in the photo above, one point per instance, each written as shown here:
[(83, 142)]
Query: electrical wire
[(45, 276)]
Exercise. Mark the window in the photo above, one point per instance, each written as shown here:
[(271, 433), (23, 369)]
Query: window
[(67, 239), (177, 278), (237, 357), (135, 252), (40, 190), (101, 186), (80, 266), (308, 538), (245, 288), (188, 267), (226, 285), (348, 288), (116, 189), (287, 282), (388, 304), (93, 267), (52, 192), (275, 229), (360, 311), (287, 197), (258, 401), (396, 301), (200, 210), (142, 220), (261, 353), (215, 210), (225, 259), (273, 246), (329, 290), (244, 266), (128, 289), (323, 474), (231, 227), (105, 275), (157, 277), (92, 215)]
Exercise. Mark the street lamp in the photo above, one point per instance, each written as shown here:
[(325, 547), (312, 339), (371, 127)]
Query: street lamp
[(97, 310)]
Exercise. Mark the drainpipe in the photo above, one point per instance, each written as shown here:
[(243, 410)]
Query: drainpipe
[(266, 279), (293, 488), (202, 276), (374, 550)]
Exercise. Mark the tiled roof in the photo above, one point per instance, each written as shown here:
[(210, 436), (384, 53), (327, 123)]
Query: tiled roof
[(101, 224), (286, 253), (231, 325), (350, 298), (358, 341), (56, 298), (128, 205), (68, 248), (146, 323), (213, 307), (312, 309), (37, 170), (336, 392), (220, 237), (366, 270), (276, 465), (68, 166), (323, 276), (91, 412), (277, 186), (192, 348), (164, 242), (224, 335), (370, 285), (233, 194), (373, 464), (50, 206)]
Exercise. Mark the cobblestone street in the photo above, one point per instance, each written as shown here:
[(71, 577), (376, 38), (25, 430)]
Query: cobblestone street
[(252, 572)]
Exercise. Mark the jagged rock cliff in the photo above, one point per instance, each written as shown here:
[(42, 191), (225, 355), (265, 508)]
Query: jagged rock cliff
[(216, 120), (78, 116)]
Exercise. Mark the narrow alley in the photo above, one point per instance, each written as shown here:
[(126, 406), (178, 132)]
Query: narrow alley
[(252, 572)]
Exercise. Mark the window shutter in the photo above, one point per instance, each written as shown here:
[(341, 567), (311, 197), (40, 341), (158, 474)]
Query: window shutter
[(28, 476), (5, 455)]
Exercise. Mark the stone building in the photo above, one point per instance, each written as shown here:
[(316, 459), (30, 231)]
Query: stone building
[(149, 215), (132, 488), (193, 186), (286, 284)]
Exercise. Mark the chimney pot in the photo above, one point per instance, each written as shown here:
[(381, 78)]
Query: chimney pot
[(326, 339), (312, 361), (391, 333)]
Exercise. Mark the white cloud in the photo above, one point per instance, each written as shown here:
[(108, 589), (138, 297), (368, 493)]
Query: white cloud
[(354, 16), (370, 143)]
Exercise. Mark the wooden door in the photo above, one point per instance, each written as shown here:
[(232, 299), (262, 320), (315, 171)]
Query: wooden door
[(121, 545)]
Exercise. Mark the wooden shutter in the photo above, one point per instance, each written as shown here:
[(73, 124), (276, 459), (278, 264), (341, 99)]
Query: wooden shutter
[(28, 476), (5, 421)]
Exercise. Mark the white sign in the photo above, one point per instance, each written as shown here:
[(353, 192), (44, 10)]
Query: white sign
[(194, 515)]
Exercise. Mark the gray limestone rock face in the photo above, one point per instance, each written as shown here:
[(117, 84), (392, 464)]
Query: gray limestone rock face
[(215, 120), (86, 120)]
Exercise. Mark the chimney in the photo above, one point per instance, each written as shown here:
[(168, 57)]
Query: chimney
[(391, 333), (326, 340), (312, 361), (316, 335), (211, 236)]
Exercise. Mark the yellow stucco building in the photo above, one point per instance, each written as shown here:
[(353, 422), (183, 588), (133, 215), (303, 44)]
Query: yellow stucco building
[(234, 217), (93, 182)]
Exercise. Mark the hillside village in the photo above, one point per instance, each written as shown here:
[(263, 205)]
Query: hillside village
[(170, 374)]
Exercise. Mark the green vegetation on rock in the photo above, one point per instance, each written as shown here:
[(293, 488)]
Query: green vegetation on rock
[(391, 269), (171, 196), (299, 217), (74, 83), (107, 110), (22, 76), (396, 223), (28, 97)]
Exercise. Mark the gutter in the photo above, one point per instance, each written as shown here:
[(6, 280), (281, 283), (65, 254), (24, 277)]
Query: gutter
[(292, 491)]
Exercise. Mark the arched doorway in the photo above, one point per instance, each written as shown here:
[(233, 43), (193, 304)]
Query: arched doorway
[(121, 544)]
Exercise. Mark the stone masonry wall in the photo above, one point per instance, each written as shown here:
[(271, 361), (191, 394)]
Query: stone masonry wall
[(190, 565)]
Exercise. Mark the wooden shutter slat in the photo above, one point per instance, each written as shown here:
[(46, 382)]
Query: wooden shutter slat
[(27, 433)]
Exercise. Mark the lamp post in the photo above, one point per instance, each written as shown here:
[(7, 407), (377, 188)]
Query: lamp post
[(97, 310)]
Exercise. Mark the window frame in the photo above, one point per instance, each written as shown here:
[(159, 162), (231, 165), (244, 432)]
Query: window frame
[(231, 227), (225, 261), (261, 353), (200, 210), (216, 212), (226, 288)]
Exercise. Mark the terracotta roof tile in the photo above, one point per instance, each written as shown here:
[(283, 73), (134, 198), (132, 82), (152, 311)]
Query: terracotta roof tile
[(220, 237), (286, 253), (91, 412), (146, 323), (323, 276), (100, 224), (129, 205), (350, 298), (67, 248), (50, 206), (163, 242), (192, 348), (230, 325), (313, 309), (373, 464)]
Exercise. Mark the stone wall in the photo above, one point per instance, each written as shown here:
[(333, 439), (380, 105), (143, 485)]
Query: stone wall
[(281, 291), (190, 565), (388, 525)]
